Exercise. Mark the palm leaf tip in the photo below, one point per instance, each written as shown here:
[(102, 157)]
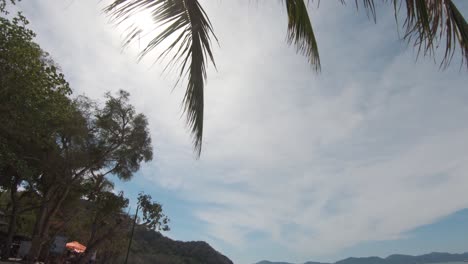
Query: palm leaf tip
[(430, 22), (368, 5), (190, 49), (300, 32), (460, 28)]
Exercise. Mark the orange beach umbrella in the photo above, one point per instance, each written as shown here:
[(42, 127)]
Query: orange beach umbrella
[(75, 246)]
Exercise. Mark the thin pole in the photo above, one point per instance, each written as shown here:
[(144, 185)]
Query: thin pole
[(131, 235)]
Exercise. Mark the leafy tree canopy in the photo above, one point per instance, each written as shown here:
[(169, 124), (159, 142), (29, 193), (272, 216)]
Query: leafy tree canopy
[(153, 217)]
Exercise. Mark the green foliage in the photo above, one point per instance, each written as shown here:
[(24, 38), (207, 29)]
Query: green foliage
[(3, 5), (26, 216), (62, 150), (123, 135), (108, 204), (34, 98), (42, 127), (35, 105), (152, 247), (300, 31), (98, 222), (153, 217), (76, 221), (96, 142)]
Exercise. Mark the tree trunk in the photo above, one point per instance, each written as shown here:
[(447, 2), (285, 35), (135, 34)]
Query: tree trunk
[(12, 220), (36, 241), (47, 212), (85, 257), (11, 232), (36, 238), (94, 245)]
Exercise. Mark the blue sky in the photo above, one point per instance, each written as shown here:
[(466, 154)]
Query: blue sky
[(367, 158)]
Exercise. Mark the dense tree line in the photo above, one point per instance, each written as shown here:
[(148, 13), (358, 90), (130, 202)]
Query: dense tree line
[(152, 247), (58, 152)]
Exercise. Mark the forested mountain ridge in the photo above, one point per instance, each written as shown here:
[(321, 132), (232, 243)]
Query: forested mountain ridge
[(151, 247), (434, 257)]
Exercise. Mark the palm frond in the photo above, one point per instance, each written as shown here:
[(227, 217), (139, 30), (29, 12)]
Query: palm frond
[(369, 6), (459, 27), (429, 24), (301, 33), (188, 22)]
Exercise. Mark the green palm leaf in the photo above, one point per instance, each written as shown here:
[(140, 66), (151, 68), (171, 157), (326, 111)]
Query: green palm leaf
[(430, 23), (300, 31), (456, 29), (190, 50), (427, 24)]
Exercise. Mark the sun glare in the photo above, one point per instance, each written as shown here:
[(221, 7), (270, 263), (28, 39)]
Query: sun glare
[(143, 22)]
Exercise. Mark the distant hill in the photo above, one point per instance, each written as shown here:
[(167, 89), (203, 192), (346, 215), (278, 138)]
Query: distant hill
[(269, 262), (434, 257), (151, 247)]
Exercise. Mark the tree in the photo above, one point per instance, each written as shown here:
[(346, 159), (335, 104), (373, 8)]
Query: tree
[(112, 140), (34, 103), (94, 215), (108, 219), (428, 24), (153, 218), (3, 5), (52, 145)]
